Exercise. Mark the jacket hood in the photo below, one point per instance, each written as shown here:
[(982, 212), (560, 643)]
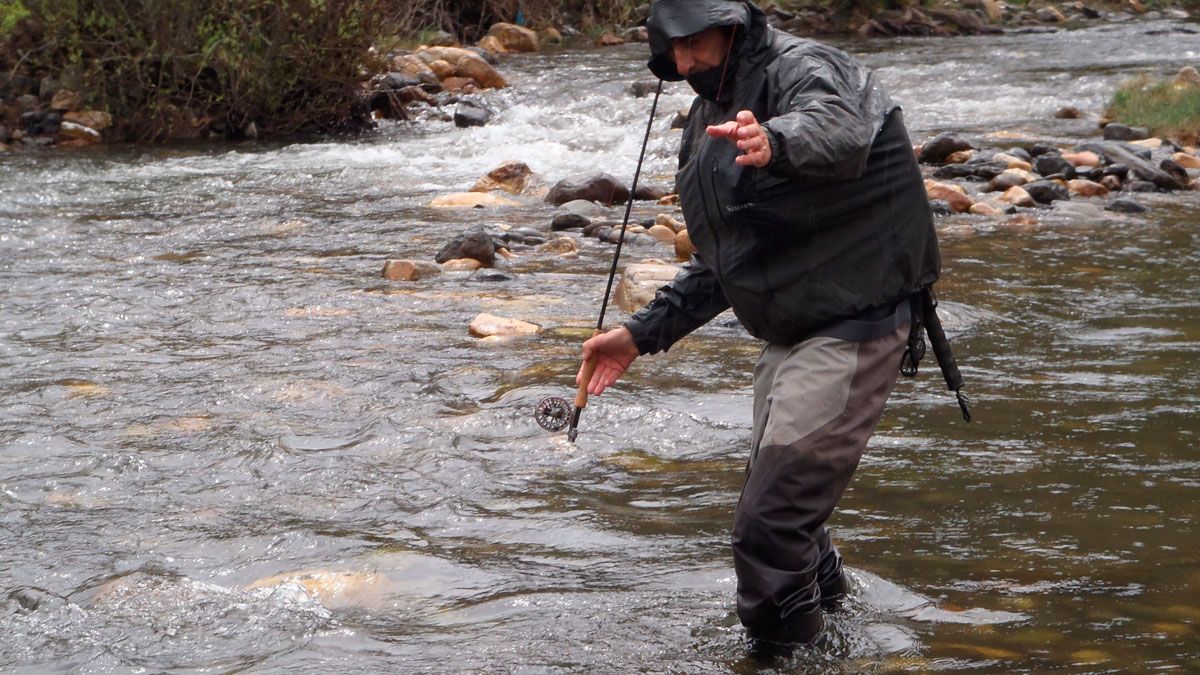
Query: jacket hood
[(671, 19)]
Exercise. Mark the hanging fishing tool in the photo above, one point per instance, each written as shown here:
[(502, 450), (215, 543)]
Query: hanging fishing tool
[(554, 413), (925, 320)]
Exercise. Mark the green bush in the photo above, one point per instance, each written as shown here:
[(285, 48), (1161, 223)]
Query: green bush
[(11, 12), (173, 69), (1165, 108)]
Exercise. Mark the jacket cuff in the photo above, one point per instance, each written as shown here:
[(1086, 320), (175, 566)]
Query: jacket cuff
[(641, 337), (776, 160)]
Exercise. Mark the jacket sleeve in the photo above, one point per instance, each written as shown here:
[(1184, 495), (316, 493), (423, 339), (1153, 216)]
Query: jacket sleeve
[(691, 300), (824, 130)]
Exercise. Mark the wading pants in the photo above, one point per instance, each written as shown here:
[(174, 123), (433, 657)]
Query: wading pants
[(815, 405)]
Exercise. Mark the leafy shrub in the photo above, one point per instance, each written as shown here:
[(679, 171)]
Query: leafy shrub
[(1166, 108), (170, 69)]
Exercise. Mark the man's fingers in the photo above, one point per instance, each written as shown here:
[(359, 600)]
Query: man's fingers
[(722, 130), (746, 117)]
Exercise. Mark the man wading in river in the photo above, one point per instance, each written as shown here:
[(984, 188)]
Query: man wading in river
[(804, 201)]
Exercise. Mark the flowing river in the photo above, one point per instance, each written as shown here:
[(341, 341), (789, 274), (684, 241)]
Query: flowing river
[(206, 384)]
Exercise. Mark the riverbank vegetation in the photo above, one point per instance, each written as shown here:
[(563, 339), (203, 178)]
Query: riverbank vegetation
[(1169, 109)]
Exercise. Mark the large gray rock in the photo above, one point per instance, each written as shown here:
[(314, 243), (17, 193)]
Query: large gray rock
[(1053, 163), (600, 188), (476, 244), (1140, 167)]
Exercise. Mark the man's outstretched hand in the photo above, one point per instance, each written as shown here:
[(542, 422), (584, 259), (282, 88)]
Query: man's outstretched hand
[(750, 137), (615, 351)]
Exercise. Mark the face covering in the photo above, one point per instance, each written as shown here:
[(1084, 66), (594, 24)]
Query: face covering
[(707, 83)]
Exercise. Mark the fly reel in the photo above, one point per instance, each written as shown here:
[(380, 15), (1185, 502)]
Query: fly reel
[(553, 413)]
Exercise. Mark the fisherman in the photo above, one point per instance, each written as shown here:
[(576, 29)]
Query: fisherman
[(807, 209)]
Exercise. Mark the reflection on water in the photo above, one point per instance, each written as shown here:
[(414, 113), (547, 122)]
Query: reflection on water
[(227, 443)]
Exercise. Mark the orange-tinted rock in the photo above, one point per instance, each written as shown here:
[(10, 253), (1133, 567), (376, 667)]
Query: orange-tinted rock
[(461, 265), (409, 270), (1111, 182), (442, 69), (1085, 158), (66, 100), (960, 157), (470, 200), (487, 325), (560, 245), (1186, 161), (951, 194), (639, 282), (514, 38), (609, 40), (1086, 188), (1018, 196), (481, 71), (511, 176), (93, 119), (662, 233), (984, 209), (684, 249)]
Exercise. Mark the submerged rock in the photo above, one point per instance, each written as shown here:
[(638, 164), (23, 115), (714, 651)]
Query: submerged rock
[(1086, 188), (560, 246), (461, 265), (470, 200), (476, 244), (600, 188), (488, 325), (1125, 206), (1018, 196), (471, 114), (639, 282), (409, 270)]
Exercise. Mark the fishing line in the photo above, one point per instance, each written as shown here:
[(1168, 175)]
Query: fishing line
[(554, 413)]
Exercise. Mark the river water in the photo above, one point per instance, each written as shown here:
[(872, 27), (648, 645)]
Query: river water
[(205, 383)]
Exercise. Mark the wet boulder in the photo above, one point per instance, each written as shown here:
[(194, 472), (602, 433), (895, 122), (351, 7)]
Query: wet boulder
[(409, 270), (642, 89), (1047, 191), (667, 220), (461, 265), (511, 177), (1050, 14), (960, 157), (662, 233), (471, 114), (600, 188), (1068, 113), (941, 207), (488, 325), (650, 193), (513, 38), (1020, 153), (480, 71), (971, 171), (476, 244), (569, 221), (1052, 164), (1125, 206), (1040, 149), (639, 282), (940, 147), (608, 39), (984, 209), (1120, 132), (1112, 183)]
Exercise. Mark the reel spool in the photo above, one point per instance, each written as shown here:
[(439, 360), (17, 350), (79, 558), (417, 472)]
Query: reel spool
[(553, 413)]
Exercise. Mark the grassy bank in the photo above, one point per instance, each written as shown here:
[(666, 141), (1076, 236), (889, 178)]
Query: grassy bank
[(1168, 109)]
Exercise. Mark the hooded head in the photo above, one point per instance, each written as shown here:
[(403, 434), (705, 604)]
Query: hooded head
[(672, 19)]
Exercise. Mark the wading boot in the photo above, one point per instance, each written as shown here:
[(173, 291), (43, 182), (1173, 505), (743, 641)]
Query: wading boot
[(795, 632)]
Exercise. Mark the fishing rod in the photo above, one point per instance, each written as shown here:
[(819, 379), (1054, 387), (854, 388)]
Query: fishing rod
[(554, 413)]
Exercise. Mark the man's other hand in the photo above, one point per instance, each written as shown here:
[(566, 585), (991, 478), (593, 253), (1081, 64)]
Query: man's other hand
[(750, 137), (615, 351)]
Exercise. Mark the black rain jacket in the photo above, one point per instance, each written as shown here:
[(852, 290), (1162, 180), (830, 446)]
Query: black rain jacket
[(837, 224)]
